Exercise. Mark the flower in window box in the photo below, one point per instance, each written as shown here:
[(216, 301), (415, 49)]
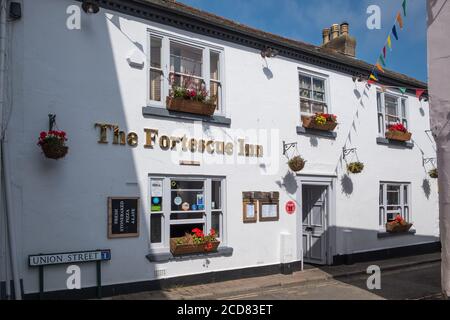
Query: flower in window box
[(320, 121), (399, 224), (398, 132), (191, 97), (197, 242)]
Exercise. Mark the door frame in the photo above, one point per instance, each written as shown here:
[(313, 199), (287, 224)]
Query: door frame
[(330, 220)]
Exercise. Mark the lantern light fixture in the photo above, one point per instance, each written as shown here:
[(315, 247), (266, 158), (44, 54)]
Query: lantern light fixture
[(90, 7), (269, 53)]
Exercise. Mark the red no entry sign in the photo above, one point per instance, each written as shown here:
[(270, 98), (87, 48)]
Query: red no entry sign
[(290, 207)]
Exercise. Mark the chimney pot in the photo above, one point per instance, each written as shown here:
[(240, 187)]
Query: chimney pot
[(334, 31), (344, 28), (326, 35)]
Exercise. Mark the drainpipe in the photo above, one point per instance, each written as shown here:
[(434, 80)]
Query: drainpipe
[(4, 159)]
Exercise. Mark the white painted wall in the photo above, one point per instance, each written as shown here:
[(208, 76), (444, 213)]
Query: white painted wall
[(83, 77)]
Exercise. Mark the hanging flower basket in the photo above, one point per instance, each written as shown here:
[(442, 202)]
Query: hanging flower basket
[(398, 225), (53, 145), (433, 173), (398, 132), (194, 243), (296, 164), (320, 121), (355, 167)]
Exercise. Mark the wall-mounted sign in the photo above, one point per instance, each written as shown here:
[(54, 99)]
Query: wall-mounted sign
[(268, 211), (111, 132), (123, 217), (69, 257), (290, 207), (250, 211), (262, 204)]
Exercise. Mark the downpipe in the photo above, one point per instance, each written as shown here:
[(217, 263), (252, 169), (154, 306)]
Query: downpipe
[(4, 157)]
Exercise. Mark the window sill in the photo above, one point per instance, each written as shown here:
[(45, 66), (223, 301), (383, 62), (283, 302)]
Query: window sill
[(325, 134), (385, 234), (167, 256), (164, 113), (387, 142)]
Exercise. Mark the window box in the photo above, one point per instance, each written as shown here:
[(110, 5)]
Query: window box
[(183, 249), (398, 135), (397, 228), (310, 123), (190, 106)]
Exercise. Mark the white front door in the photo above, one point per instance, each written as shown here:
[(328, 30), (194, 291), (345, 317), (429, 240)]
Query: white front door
[(314, 223)]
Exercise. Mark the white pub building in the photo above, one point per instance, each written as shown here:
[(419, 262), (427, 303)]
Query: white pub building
[(151, 168)]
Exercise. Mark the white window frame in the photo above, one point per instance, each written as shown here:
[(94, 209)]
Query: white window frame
[(166, 222), (404, 208), (381, 110), (167, 39), (319, 76)]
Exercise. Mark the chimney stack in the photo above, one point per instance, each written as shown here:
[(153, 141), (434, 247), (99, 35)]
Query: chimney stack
[(326, 35), (337, 38)]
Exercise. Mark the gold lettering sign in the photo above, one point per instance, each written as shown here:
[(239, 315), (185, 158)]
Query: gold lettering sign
[(152, 138)]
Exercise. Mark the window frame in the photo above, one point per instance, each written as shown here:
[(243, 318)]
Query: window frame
[(403, 207), (166, 222), (206, 48), (381, 110), (313, 75)]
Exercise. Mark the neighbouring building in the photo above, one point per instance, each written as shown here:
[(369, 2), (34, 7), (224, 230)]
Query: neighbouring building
[(138, 176)]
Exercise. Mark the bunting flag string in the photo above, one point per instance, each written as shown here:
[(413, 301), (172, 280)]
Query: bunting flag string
[(382, 59)]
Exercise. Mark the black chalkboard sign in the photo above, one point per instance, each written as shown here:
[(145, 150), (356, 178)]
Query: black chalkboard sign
[(123, 217)]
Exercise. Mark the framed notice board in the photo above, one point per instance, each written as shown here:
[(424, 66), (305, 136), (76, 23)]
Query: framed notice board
[(123, 217)]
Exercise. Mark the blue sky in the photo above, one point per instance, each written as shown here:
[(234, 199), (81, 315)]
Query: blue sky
[(304, 20)]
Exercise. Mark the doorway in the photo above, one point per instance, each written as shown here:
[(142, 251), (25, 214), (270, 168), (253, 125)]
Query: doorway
[(315, 209)]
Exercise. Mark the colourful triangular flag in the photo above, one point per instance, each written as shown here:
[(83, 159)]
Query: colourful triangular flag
[(402, 90), (400, 20), (370, 82), (404, 7), (394, 32), (419, 93), (379, 67), (384, 52), (382, 61), (372, 77), (389, 42)]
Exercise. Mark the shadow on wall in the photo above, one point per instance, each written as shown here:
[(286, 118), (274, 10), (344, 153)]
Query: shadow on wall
[(288, 183), (346, 185)]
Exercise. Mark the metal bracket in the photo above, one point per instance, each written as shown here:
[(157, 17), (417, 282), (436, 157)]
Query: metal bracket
[(51, 121), (288, 146), (347, 152), (429, 160)]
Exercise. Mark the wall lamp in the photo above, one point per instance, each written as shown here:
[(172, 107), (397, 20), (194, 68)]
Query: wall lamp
[(269, 53), (357, 78), (90, 7)]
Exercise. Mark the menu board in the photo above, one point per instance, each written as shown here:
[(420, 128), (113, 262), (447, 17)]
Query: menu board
[(123, 217)]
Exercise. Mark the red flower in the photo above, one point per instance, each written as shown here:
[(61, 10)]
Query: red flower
[(398, 127), (198, 232), (208, 246), (43, 134), (213, 232)]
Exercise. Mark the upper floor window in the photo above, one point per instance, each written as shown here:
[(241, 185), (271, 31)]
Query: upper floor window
[(312, 95), (174, 62), (391, 110), (394, 200)]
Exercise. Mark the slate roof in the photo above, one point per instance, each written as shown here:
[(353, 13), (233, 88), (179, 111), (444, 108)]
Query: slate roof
[(221, 22)]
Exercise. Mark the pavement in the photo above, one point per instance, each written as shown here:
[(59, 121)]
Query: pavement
[(413, 277)]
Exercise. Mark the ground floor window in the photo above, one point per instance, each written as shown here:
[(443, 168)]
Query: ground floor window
[(394, 200), (180, 204)]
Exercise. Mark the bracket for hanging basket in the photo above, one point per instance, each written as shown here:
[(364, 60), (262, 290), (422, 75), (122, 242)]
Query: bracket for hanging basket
[(347, 152), (429, 160), (288, 146)]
